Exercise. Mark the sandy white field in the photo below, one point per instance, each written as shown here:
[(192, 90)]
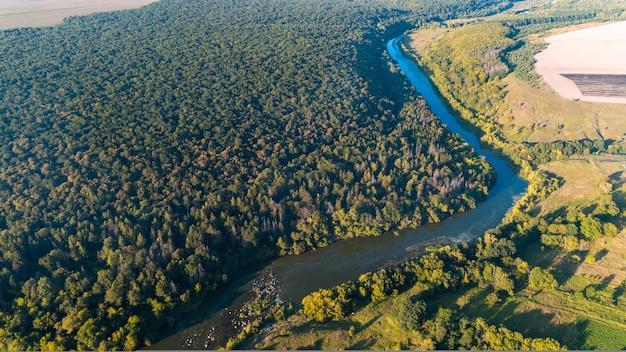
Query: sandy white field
[(36, 13), (596, 50)]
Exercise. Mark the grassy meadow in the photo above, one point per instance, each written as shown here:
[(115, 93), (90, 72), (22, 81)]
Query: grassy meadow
[(539, 114), (418, 40), (373, 327), (604, 180), (576, 321)]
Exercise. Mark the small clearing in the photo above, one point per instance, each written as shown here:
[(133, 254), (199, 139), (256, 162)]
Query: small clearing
[(604, 178)]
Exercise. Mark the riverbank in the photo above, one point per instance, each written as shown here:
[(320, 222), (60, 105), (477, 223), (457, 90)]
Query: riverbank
[(347, 260), (585, 307), (40, 13)]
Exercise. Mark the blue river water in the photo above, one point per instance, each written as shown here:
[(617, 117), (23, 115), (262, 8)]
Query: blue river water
[(297, 276)]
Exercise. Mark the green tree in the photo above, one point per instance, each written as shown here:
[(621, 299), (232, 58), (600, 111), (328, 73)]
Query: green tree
[(410, 313)]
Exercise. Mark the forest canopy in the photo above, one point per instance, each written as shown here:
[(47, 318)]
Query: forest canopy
[(148, 155)]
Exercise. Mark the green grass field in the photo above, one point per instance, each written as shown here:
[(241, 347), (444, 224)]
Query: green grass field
[(569, 317), (604, 180), (372, 327), (541, 115), (601, 336)]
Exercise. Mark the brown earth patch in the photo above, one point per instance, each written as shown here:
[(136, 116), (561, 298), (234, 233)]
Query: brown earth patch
[(38, 13), (596, 51)]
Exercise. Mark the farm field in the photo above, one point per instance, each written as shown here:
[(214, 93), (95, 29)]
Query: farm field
[(585, 308), (603, 85), (605, 177), (539, 114), (536, 113), (597, 51), (36, 13)]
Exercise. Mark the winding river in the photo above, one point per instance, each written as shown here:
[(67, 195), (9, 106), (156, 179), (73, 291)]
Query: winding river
[(296, 276)]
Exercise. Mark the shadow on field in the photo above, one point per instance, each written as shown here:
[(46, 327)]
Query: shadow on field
[(604, 283), (537, 323), (619, 197), (619, 292), (317, 345), (563, 265), (601, 254), (365, 344)]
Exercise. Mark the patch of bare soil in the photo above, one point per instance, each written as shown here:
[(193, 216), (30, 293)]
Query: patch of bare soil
[(38, 13), (586, 64)]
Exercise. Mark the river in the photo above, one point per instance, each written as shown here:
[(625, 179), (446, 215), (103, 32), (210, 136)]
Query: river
[(297, 276)]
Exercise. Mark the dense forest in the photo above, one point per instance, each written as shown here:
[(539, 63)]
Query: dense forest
[(423, 303), (490, 262), (419, 319), (148, 155)]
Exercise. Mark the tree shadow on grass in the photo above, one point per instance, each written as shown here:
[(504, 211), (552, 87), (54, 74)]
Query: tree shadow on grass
[(618, 292), (365, 344), (531, 321), (619, 197), (605, 283), (538, 323), (317, 345), (563, 265), (601, 254), (507, 310)]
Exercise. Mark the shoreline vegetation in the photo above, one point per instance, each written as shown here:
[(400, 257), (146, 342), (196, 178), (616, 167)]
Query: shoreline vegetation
[(139, 173), (563, 236), (137, 177)]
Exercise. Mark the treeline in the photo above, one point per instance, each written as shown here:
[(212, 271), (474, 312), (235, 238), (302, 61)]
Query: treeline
[(566, 13), (467, 65), (536, 24), (148, 155), (541, 153), (447, 9), (445, 328), (487, 262), (521, 57), (566, 234), (521, 61)]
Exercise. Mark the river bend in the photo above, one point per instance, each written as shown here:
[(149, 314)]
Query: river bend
[(297, 276)]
